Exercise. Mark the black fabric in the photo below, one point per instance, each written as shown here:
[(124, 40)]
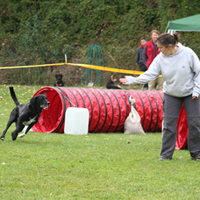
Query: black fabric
[(155, 46), (142, 67)]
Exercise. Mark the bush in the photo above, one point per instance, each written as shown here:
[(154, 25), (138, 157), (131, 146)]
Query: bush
[(39, 32)]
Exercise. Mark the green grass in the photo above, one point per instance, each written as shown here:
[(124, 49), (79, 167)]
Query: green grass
[(94, 166)]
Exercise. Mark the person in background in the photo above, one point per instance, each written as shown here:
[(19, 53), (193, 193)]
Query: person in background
[(150, 52), (140, 58), (180, 68)]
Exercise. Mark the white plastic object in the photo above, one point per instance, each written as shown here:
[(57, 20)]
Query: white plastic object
[(76, 121)]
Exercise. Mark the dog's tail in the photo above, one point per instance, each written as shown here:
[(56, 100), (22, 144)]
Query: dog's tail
[(12, 93)]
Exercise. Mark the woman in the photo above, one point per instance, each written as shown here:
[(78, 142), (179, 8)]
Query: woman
[(180, 69)]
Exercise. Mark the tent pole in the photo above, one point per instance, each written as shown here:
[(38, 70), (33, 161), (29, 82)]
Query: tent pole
[(167, 26)]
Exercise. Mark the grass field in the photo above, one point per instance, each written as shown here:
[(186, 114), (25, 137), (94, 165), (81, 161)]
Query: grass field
[(95, 166)]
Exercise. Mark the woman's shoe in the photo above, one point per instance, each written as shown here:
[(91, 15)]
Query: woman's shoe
[(196, 158), (161, 159)]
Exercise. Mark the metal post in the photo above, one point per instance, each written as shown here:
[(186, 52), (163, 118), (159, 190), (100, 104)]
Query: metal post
[(66, 66)]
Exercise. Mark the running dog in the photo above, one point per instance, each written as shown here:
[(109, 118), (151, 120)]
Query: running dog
[(25, 114)]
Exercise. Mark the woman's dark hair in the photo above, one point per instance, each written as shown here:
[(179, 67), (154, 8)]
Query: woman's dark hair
[(143, 38), (166, 39)]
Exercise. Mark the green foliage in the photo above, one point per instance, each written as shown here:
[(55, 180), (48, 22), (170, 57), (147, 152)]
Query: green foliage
[(176, 9), (140, 20), (39, 32)]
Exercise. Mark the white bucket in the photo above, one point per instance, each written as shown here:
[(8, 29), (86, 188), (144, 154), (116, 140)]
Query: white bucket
[(76, 121)]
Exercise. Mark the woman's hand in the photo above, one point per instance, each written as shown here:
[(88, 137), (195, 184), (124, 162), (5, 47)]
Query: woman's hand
[(194, 97), (122, 80)]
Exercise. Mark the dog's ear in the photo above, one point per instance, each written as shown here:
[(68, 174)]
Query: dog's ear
[(45, 94), (59, 75), (33, 99)]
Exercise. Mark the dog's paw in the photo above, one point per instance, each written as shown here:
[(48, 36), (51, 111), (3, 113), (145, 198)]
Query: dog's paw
[(14, 135), (2, 138), (21, 135)]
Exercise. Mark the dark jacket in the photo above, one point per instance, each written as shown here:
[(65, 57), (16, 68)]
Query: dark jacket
[(140, 59), (139, 55)]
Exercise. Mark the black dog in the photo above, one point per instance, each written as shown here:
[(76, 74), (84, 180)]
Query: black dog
[(25, 114), (59, 82), (110, 84)]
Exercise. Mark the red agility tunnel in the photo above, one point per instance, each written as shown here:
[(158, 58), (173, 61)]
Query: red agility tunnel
[(108, 109)]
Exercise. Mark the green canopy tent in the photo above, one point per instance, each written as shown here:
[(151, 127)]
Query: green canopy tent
[(191, 23)]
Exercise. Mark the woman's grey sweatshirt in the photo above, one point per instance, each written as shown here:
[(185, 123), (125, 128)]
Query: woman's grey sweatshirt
[(180, 71)]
